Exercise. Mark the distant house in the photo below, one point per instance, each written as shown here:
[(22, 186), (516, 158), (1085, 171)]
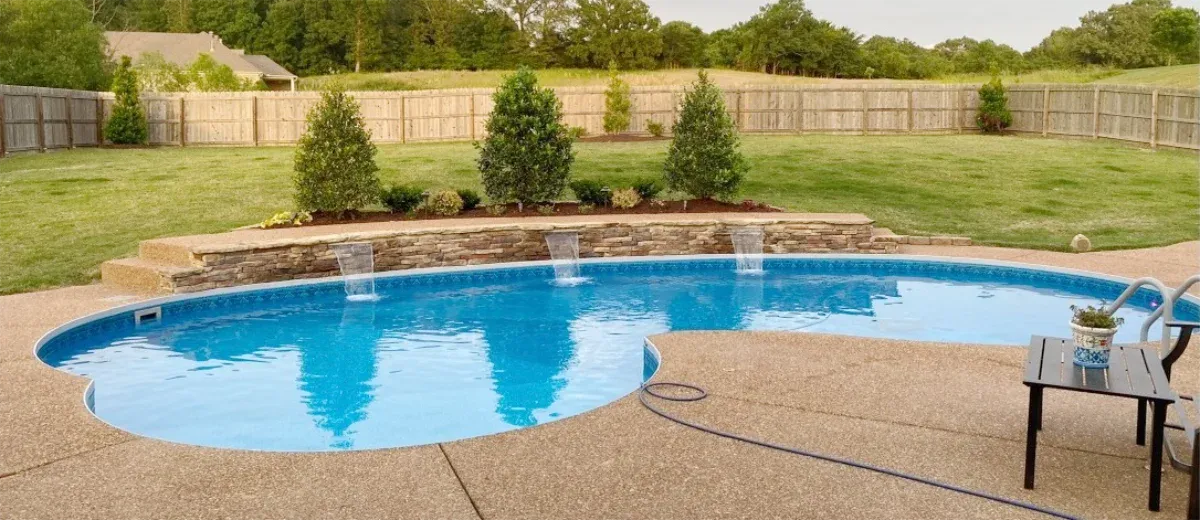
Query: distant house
[(183, 48)]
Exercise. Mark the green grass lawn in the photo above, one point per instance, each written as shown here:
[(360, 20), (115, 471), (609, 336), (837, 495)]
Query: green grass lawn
[(62, 214), (1183, 76)]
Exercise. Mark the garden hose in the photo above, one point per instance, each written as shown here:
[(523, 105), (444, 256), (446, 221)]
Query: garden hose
[(699, 394)]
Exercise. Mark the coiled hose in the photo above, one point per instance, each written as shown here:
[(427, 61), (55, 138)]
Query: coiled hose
[(699, 394)]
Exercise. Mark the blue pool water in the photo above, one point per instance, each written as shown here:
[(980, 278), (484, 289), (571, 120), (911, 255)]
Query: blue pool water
[(452, 355)]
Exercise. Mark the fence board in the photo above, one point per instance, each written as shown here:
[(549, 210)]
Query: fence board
[(278, 118)]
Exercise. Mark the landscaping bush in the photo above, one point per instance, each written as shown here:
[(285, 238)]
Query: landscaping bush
[(402, 199), (617, 104), (993, 107), (335, 159), (127, 123), (470, 199), (704, 160), (655, 128), (625, 198), (648, 188), (592, 192), (444, 203), (527, 154), (576, 133)]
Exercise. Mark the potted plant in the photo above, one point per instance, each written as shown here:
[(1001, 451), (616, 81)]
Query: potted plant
[(1092, 331)]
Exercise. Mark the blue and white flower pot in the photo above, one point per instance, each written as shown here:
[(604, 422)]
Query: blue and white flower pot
[(1092, 345)]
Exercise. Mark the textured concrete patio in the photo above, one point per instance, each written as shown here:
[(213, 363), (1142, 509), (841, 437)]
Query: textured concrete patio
[(875, 401)]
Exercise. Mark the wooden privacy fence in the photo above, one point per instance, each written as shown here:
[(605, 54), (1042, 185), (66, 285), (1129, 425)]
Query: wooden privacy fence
[(41, 119)]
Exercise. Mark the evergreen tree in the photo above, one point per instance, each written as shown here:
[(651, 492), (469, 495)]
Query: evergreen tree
[(127, 123), (993, 107), (704, 160), (617, 104), (527, 154), (335, 159)]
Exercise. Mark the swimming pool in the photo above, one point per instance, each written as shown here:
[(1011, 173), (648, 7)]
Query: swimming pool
[(455, 353)]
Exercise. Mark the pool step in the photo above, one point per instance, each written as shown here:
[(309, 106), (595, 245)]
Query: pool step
[(142, 276)]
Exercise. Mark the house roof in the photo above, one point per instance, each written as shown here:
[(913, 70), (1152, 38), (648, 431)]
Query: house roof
[(183, 48)]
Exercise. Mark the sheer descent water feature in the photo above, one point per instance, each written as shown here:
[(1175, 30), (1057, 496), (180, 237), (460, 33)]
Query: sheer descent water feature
[(564, 251), (357, 262), (748, 249)]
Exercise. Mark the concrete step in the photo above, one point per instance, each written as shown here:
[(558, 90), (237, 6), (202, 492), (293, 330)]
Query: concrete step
[(140, 275), (165, 252)]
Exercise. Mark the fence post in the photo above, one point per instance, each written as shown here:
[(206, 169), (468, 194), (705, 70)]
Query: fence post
[(99, 121), (911, 111), (472, 116), (70, 123), (403, 127), (958, 110), (1154, 119), (1045, 110), (182, 124), (864, 113), (3, 145), (799, 110), (740, 125), (41, 124), (254, 118), (1096, 113)]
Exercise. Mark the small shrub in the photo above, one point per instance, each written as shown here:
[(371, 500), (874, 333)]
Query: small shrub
[(993, 116), (704, 160), (470, 199), (576, 133), (585, 208), (402, 199), (617, 103), (648, 188), (527, 154), (655, 128), (127, 123), (287, 218), (496, 210), (335, 159), (592, 192), (546, 209), (444, 203), (1094, 317), (625, 198)]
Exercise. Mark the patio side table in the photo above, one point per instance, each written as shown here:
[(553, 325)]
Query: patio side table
[(1132, 373)]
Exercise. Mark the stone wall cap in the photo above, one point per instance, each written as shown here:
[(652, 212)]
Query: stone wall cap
[(259, 239)]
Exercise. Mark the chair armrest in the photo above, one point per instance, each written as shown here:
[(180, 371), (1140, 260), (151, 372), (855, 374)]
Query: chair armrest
[(1183, 324)]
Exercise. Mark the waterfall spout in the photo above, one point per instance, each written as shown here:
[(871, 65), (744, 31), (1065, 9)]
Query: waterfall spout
[(748, 249), (357, 262), (564, 252)]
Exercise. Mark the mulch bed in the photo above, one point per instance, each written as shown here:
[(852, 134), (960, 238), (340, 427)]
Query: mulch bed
[(560, 209)]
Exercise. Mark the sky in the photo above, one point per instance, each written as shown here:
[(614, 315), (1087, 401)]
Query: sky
[(1019, 23)]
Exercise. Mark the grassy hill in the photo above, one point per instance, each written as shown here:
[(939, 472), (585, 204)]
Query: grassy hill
[(1184, 76)]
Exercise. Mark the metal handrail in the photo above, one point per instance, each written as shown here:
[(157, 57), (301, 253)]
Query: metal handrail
[(1167, 308), (1182, 290)]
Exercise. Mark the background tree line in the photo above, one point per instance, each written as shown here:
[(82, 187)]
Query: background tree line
[(313, 37)]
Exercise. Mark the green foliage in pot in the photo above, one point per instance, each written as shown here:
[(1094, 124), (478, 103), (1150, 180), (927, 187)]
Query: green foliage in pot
[(127, 123), (1095, 318), (527, 154), (335, 159), (704, 160)]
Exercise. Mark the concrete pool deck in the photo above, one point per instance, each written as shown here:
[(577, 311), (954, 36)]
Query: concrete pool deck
[(870, 400)]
